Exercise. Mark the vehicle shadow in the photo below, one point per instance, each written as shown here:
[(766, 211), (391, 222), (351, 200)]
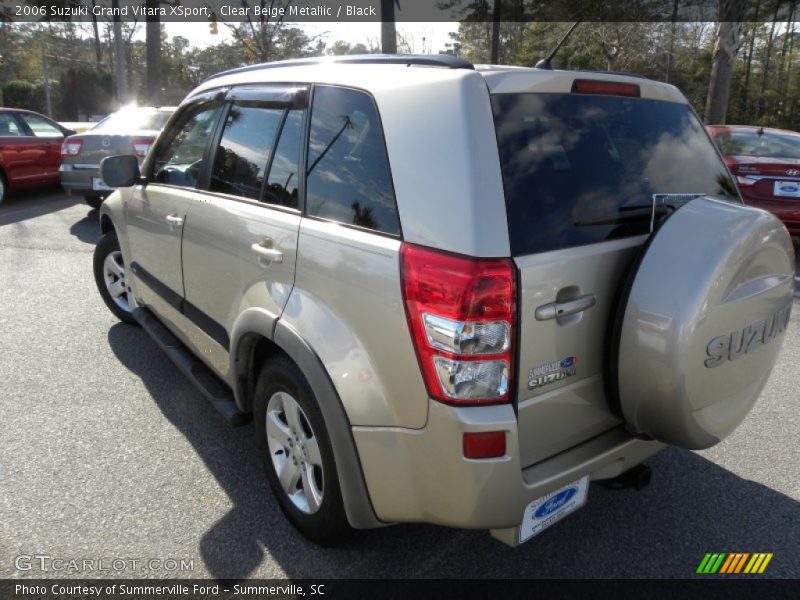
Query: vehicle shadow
[(693, 506), (29, 204), (88, 228)]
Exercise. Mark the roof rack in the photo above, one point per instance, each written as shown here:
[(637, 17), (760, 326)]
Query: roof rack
[(431, 60)]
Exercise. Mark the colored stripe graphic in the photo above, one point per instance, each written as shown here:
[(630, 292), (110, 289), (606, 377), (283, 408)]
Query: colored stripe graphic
[(734, 562), (728, 564), (758, 563), (764, 564), (711, 562), (742, 558)]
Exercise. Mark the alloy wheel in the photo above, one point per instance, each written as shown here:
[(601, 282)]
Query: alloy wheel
[(295, 454), (114, 277)]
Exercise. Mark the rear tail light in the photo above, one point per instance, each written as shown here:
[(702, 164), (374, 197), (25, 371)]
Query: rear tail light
[(612, 88), (745, 180), (140, 147), (71, 147), (461, 316)]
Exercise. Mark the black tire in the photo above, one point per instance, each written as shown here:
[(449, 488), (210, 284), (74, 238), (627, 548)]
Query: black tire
[(106, 247), (3, 187), (94, 201), (327, 526)]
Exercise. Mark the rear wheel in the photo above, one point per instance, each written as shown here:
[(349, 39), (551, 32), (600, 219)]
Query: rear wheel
[(110, 275), (3, 188), (296, 450)]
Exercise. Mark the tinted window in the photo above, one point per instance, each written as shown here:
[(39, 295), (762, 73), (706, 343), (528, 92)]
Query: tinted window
[(41, 127), (348, 170), (282, 181), (243, 154), (179, 158), (581, 169), (9, 125)]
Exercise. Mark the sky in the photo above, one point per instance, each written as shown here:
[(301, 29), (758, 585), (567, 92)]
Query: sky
[(435, 34)]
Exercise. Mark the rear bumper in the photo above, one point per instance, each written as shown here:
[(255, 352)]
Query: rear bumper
[(422, 475), (77, 179)]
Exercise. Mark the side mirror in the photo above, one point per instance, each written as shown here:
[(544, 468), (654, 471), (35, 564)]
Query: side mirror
[(120, 171)]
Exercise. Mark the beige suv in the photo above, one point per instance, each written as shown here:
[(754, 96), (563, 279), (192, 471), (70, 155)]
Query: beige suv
[(447, 294)]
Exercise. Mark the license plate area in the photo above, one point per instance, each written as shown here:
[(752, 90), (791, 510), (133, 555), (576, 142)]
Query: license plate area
[(786, 189), (550, 509)]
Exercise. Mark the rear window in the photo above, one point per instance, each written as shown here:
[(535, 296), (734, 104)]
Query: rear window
[(581, 169), (134, 119), (751, 143)]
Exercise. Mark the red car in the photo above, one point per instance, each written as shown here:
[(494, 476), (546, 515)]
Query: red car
[(30, 150), (766, 165)]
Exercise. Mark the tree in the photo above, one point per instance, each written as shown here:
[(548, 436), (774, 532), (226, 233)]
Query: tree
[(153, 44), (388, 28), (729, 40), (269, 37), (341, 48)]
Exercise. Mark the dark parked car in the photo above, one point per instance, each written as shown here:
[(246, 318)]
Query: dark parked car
[(30, 146), (130, 130), (766, 165)]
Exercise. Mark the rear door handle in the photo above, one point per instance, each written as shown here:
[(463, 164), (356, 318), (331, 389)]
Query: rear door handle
[(266, 252), (174, 221), (563, 309)]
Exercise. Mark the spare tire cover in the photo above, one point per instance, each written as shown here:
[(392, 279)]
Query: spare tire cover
[(705, 317)]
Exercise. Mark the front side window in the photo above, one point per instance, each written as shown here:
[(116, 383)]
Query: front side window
[(179, 159), (348, 178), (41, 127), (283, 173), (242, 157)]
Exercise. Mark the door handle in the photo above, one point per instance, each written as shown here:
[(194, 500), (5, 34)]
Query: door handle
[(174, 221), (563, 309), (267, 254)]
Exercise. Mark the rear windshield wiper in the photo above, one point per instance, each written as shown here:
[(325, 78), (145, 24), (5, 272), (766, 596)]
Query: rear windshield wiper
[(662, 205)]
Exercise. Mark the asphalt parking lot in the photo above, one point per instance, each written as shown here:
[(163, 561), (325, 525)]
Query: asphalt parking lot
[(107, 451)]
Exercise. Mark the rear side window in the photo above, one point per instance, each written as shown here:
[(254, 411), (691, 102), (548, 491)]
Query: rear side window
[(348, 170), (9, 125), (241, 160), (581, 169), (179, 157), (40, 127)]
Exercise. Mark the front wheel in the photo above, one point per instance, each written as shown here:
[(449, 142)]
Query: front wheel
[(3, 188), (296, 450), (110, 275), (93, 201)]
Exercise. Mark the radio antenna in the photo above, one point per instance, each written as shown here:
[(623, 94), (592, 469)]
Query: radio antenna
[(545, 63)]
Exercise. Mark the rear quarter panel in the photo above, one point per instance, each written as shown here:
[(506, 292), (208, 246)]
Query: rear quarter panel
[(347, 304)]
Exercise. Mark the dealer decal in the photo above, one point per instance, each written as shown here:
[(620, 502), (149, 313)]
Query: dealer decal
[(551, 372)]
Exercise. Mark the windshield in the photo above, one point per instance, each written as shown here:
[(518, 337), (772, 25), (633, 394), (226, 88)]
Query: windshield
[(751, 143), (580, 169), (134, 119)]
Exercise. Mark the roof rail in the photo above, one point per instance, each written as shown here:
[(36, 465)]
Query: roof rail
[(431, 60)]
